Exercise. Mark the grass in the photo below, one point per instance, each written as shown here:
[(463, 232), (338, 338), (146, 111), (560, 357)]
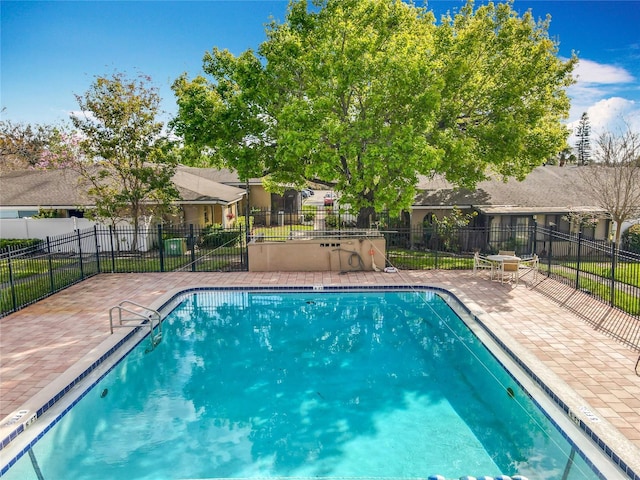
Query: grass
[(23, 268), (413, 260), (280, 234), (32, 278), (601, 288), (626, 272)]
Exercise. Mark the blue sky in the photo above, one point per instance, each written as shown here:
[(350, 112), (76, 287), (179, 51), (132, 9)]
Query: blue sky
[(52, 50)]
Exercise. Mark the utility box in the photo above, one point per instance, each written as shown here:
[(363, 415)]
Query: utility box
[(175, 246)]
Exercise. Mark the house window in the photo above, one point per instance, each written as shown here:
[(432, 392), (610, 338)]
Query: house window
[(27, 213), (519, 222), (589, 231), (562, 225), (428, 219)]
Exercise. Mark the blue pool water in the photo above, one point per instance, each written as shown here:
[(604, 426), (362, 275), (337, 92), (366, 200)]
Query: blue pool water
[(308, 384)]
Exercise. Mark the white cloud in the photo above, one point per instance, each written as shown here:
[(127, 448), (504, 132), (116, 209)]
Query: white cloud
[(606, 113), (82, 115), (597, 73), (595, 82), (613, 114), (600, 90)]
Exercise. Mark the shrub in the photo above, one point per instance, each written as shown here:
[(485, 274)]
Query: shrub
[(631, 238), (241, 222), (17, 243), (215, 236), (308, 213), (331, 220)]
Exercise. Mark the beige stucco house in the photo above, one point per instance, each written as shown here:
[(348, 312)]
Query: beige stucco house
[(27, 192), (207, 196), (549, 196)]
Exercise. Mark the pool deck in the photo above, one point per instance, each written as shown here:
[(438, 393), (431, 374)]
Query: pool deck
[(555, 330)]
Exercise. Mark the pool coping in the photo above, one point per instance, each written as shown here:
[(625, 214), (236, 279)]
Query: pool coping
[(568, 401)]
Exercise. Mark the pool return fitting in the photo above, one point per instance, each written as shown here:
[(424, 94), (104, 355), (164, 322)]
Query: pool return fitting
[(134, 315)]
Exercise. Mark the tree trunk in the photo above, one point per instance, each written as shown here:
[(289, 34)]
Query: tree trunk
[(618, 236), (364, 217), (135, 210)]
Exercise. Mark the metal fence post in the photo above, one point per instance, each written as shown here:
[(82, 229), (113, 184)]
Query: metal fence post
[(578, 259), (192, 241), (80, 253), (113, 250), (52, 284), (437, 232), (535, 237), (551, 231), (614, 257), (95, 237), (14, 297), (160, 247)]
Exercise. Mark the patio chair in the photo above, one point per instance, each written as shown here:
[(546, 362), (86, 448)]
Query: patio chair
[(510, 269), (531, 265), (481, 263), (507, 252)]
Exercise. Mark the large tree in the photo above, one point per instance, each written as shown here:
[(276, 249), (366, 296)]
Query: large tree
[(583, 143), (614, 176), (365, 95), (22, 145), (127, 169)]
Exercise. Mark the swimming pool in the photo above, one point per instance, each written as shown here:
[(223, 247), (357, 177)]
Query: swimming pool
[(306, 384)]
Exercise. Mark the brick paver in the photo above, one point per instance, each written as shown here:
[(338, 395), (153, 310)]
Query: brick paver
[(562, 343)]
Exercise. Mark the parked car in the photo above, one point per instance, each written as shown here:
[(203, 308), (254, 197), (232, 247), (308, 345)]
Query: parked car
[(329, 198), (306, 193)]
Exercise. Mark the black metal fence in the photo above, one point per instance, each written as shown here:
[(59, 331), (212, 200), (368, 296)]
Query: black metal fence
[(28, 274), (594, 267)]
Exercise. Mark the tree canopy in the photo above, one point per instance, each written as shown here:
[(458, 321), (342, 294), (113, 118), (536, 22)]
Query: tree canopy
[(614, 176), (127, 166), (365, 95), (23, 145)]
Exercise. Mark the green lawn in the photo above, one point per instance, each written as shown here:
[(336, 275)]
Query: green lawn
[(32, 278), (414, 260)]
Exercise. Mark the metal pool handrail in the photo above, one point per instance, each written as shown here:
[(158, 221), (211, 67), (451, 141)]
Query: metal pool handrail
[(142, 317)]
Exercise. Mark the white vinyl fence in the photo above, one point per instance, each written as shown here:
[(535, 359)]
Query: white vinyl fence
[(52, 228)]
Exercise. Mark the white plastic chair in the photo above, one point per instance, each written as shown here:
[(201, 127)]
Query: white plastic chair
[(481, 263), (531, 265), (510, 269)]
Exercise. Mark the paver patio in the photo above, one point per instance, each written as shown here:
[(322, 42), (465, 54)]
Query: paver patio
[(553, 328)]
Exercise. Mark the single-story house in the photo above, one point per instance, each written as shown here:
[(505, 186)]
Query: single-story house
[(27, 192), (207, 196), (549, 196), (265, 205)]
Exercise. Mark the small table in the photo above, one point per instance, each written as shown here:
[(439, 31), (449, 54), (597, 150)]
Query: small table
[(501, 259)]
